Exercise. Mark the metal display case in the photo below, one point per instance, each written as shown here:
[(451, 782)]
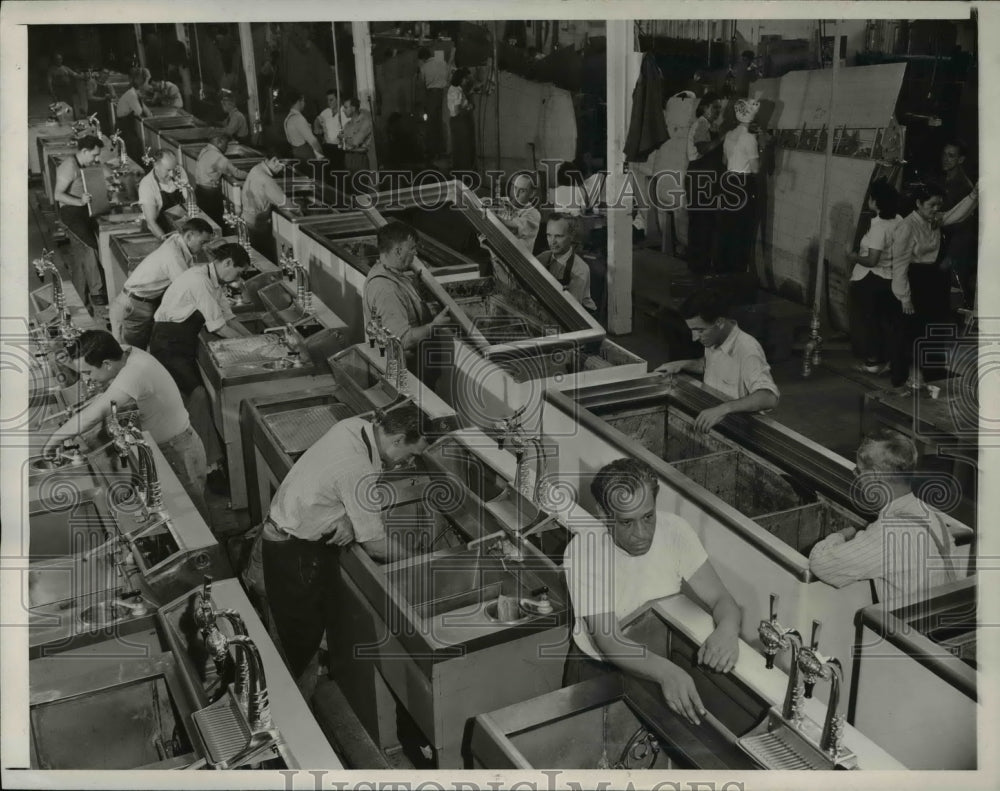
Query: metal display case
[(759, 495), (917, 665)]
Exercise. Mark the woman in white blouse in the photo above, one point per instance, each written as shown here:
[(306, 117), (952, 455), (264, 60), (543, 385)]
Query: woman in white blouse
[(880, 288), (930, 283), (737, 214)]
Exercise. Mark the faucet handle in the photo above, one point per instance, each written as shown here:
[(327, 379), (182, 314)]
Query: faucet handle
[(774, 607), (814, 642)]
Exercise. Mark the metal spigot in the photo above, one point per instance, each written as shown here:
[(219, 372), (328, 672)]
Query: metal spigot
[(811, 662), (776, 638), (152, 493), (205, 617), (811, 357), (511, 433), (258, 708), (833, 725), (242, 685), (119, 435), (395, 365), (147, 157), (377, 334), (287, 262)]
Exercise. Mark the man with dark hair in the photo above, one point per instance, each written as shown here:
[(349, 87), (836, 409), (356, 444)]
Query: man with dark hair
[(261, 193), (329, 124), (133, 309), (356, 136), (74, 210), (327, 501), (211, 166), (160, 191), (166, 94), (132, 375), (390, 295), (734, 362), (196, 299), (906, 551), (641, 554), (562, 232), (298, 133)]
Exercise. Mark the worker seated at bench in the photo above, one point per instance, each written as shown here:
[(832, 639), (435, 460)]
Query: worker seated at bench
[(734, 362), (644, 554)]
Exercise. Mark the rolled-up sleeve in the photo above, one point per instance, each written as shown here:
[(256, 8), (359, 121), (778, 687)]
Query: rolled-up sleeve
[(756, 373)]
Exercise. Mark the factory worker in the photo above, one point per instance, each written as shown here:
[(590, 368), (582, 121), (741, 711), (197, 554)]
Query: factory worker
[(734, 362), (299, 134), (642, 555), (236, 125), (161, 190), (739, 187), (562, 232), (261, 193), (520, 215), (73, 203), (196, 300), (327, 501), (133, 309), (211, 166), (129, 112), (389, 293), (135, 376), (166, 94), (906, 551)]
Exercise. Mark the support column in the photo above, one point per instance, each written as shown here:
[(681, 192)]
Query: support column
[(181, 33), (364, 68), (140, 49), (619, 285), (250, 73)]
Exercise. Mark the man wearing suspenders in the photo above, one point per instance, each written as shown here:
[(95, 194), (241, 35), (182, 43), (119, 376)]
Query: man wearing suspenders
[(562, 262), (907, 551), (390, 295)]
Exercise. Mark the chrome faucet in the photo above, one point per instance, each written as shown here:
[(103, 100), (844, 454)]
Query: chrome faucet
[(230, 217), (395, 364), (147, 157), (377, 334), (152, 493), (290, 338), (814, 667), (776, 638), (512, 433), (119, 143), (293, 268)]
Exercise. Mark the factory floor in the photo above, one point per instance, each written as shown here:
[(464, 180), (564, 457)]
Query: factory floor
[(826, 407)]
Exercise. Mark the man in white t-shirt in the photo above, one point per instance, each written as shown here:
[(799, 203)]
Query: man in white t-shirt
[(642, 555), (135, 376), (734, 362), (328, 125)]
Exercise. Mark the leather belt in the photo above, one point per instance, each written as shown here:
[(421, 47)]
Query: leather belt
[(282, 534), (150, 300)]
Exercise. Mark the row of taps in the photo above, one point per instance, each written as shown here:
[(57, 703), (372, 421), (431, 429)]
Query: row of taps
[(233, 218), (807, 665), (390, 347)]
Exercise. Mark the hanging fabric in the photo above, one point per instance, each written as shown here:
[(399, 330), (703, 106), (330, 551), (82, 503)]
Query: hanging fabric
[(647, 129)]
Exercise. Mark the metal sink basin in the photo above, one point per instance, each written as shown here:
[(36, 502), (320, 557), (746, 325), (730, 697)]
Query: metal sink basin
[(280, 301), (357, 374), (79, 707), (443, 597), (68, 522)]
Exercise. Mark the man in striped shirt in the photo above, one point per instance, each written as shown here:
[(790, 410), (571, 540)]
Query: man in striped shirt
[(906, 551)]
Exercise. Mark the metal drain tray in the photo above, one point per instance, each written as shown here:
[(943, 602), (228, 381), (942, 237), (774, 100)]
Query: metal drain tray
[(298, 429), (223, 729), (776, 745), (245, 351)]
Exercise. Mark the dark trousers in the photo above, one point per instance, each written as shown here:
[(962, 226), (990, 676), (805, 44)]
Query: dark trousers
[(210, 202), (885, 330), (701, 188), (463, 142), (179, 362), (930, 289), (262, 240), (435, 121), (737, 222), (301, 579)]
